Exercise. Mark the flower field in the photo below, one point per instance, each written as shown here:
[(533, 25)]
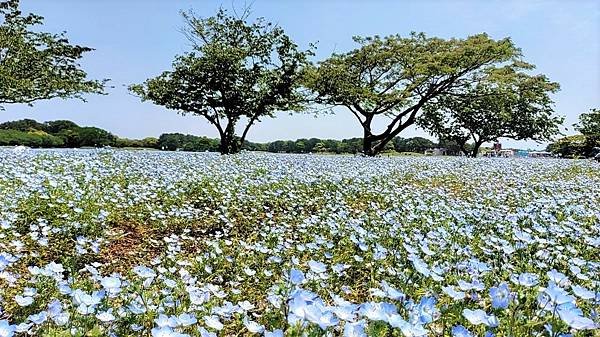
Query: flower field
[(136, 243)]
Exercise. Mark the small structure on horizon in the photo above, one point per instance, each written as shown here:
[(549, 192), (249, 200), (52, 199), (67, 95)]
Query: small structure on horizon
[(437, 151), (540, 154), (506, 153)]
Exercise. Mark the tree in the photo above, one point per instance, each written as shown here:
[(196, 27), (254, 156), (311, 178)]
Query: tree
[(415, 144), (36, 65), (589, 123), (23, 125), (60, 125), (395, 77), (96, 137), (506, 103), (33, 138), (571, 147), (584, 145), (236, 70)]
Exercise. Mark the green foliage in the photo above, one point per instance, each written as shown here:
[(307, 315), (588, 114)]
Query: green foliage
[(505, 103), (394, 77), (236, 70), (178, 141), (416, 144), (23, 125), (36, 65), (96, 137), (587, 144), (59, 125), (64, 133), (573, 146), (61, 133), (31, 139), (589, 123), (148, 142)]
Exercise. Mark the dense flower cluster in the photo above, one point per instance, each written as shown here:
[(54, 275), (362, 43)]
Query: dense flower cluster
[(130, 243)]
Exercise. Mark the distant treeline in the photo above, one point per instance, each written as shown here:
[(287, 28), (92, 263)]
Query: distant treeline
[(67, 134)]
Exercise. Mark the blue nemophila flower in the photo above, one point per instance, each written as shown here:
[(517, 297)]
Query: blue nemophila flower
[(213, 322), (377, 311), (253, 326), (186, 319), (576, 320), (23, 327), (56, 313), (38, 318), (474, 285), (345, 312), (23, 301), (112, 285), (6, 260), (166, 332), (317, 267), (106, 316), (64, 288), (136, 307), (558, 277), (413, 330), (391, 292), (249, 271), (420, 266), (461, 331), (296, 276), (500, 296), (583, 293), (246, 306), (274, 333), (556, 295), (525, 279), (205, 333), (479, 316), (275, 300), (166, 321), (456, 295), (86, 303), (144, 272), (7, 329), (339, 268), (356, 329), (425, 312)]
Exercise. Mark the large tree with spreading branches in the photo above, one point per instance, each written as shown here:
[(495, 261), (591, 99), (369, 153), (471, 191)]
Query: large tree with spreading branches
[(392, 78), (238, 70), (36, 65), (506, 103)]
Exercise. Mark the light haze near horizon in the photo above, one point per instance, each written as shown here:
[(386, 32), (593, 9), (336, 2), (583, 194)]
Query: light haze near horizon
[(137, 39)]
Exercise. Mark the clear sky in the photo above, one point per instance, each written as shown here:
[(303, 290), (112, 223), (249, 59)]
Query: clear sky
[(137, 39)]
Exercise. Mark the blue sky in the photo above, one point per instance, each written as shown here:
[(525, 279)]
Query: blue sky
[(137, 39)]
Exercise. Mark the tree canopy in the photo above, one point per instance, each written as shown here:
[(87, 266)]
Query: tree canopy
[(589, 123), (394, 77), (506, 103), (587, 144), (236, 70), (36, 65)]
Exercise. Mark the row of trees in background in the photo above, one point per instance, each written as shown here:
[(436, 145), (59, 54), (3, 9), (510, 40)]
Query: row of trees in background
[(466, 91), (67, 134), (61, 133)]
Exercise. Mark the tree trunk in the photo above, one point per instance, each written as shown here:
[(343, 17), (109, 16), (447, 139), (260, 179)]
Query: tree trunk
[(475, 151), (463, 148), (229, 142), (368, 144)]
